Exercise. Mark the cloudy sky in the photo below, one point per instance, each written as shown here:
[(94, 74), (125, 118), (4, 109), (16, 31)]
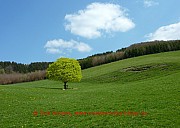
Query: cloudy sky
[(44, 30)]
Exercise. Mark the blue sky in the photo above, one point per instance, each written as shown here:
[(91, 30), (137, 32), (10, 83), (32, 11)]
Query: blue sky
[(44, 30)]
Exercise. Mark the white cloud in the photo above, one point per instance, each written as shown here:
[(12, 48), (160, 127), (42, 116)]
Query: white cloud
[(82, 47), (149, 3), (53, 50), (169, 32), (61, 46), (98, 18)]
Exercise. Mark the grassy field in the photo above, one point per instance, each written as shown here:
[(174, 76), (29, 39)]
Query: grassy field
[(137, 92)]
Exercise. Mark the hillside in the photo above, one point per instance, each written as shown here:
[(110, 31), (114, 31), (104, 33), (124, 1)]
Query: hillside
[(148, 85), (169, 58)]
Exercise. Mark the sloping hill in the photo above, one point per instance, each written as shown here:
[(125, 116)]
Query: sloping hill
[(154, 65), (137, 92)]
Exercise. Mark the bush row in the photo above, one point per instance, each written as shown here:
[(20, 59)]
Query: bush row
[(18, 77)]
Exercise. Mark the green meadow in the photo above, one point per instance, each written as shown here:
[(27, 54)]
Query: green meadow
[(136, 92)]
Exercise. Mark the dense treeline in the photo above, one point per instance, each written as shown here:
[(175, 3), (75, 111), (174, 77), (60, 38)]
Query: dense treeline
[(13, 67), (36, 66), (12, 72), (134, 50), (151, 48)]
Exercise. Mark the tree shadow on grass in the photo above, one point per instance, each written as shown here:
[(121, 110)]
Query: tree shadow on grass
[(56, 88)]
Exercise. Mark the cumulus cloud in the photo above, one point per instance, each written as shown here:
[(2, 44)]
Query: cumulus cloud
[(149, 3), (169, 32), (98, 18), (61, 46)]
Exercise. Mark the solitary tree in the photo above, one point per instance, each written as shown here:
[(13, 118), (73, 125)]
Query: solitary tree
[(65, 70)]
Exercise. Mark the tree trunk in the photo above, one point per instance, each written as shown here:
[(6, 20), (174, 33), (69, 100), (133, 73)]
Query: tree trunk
[(65, 86)]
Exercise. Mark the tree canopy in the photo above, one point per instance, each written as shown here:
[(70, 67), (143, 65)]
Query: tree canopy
[(65, 70)]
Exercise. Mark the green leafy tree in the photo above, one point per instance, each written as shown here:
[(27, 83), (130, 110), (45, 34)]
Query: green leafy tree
[(65, 70)]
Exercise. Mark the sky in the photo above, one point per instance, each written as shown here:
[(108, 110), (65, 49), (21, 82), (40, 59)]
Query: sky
[(45, 30)]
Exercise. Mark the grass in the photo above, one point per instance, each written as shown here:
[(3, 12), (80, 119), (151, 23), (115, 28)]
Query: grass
[(148, 84)]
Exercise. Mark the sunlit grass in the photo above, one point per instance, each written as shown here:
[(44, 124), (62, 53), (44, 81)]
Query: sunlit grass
[(112, 87)]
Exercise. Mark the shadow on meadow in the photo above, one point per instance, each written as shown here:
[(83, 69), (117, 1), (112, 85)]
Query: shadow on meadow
[(56, 88)]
